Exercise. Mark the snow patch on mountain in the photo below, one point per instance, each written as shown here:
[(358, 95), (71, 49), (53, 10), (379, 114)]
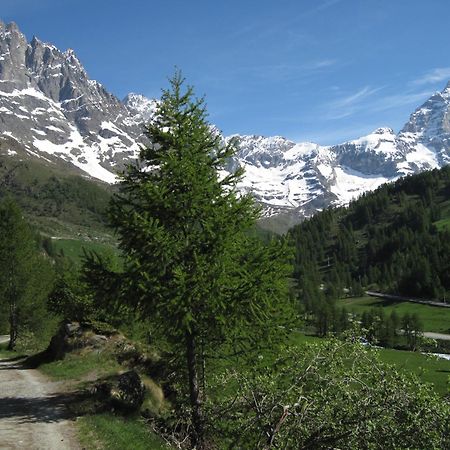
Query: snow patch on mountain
[(55, 112), (349, 184)]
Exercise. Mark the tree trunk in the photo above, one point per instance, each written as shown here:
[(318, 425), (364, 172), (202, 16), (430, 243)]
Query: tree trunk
[(12, 325), (198, 438)]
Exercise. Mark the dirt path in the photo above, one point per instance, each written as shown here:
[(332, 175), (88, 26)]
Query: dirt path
[(32, 411)]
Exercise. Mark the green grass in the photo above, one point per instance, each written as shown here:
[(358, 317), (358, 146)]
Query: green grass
[(429, 369), (299, 338), (76, 367), (444, 222), (102, 431), (74, 249), (434, 318), (4, 353), (106, 431)]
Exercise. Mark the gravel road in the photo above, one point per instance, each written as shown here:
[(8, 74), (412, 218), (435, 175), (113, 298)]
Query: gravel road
[(32, 411)]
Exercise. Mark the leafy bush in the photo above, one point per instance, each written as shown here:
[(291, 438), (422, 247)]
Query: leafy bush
[(332, 395)]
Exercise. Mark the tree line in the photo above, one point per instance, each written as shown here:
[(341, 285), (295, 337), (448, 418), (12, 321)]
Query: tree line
[(395, 240)]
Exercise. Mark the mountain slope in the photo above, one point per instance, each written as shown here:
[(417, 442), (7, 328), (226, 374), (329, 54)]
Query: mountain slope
[(59, 203), (396, 239), (52, 111)]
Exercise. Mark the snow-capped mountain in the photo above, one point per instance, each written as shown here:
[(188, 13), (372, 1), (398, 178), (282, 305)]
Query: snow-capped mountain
[(142, 108), (51, 110), (51, 107), (301, 178)]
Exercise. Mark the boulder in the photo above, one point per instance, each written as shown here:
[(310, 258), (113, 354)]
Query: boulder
[(125, 392)]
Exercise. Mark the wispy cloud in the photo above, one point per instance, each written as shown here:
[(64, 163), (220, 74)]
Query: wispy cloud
[(271, 73), (365, 100), (321, 7), (397, 100), (433, 76), (319, 64), (262, 29), (349, 104)]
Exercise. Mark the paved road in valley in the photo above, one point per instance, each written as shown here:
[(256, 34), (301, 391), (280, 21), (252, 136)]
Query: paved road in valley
[(444, 337), (408, 299)]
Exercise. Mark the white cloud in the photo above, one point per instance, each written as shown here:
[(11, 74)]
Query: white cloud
[(350, 104), (363, 100), (433, 76), (320, 7), (319, 64), (397, 100)]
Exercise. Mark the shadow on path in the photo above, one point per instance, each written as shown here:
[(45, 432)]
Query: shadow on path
[(48, 409)]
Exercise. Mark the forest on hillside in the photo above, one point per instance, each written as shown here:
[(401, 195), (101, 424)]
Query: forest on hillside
[(394, 240)]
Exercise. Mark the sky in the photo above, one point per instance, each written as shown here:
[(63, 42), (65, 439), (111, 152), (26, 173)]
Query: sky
[(324, 71)]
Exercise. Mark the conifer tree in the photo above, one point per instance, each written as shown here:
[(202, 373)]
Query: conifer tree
[(192, 266), (18, 263)]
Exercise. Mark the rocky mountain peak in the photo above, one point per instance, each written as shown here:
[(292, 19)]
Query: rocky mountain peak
[(432, 120), (383, 131), (51, 107), (13, 28), (446, 92), (52, 111), (140, 106)]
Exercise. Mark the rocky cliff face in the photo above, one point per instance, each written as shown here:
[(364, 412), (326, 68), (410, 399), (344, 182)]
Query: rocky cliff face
[(50, 106), (302, 178), (50, 109)]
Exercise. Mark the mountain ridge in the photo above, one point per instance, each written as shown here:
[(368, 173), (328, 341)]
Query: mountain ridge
[(57, 114)]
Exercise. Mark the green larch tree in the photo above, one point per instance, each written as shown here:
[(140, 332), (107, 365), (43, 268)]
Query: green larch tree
[(192, 266)]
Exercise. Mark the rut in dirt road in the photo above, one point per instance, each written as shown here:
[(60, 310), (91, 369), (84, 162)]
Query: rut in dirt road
[(33, 412)]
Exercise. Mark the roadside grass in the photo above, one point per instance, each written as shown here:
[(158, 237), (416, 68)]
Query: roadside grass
[(4, 353), (107, 431), (434, 318), (7, 354), (104, 430), (76, 366)]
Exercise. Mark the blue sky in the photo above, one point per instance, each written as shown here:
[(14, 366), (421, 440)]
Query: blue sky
[(310, 70)]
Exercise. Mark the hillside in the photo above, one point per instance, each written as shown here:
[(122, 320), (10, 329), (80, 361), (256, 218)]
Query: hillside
[(395, 240), (58, 202)]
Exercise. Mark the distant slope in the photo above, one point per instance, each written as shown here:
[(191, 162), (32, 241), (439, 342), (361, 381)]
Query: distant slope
[(396, 239), (59, 203)]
